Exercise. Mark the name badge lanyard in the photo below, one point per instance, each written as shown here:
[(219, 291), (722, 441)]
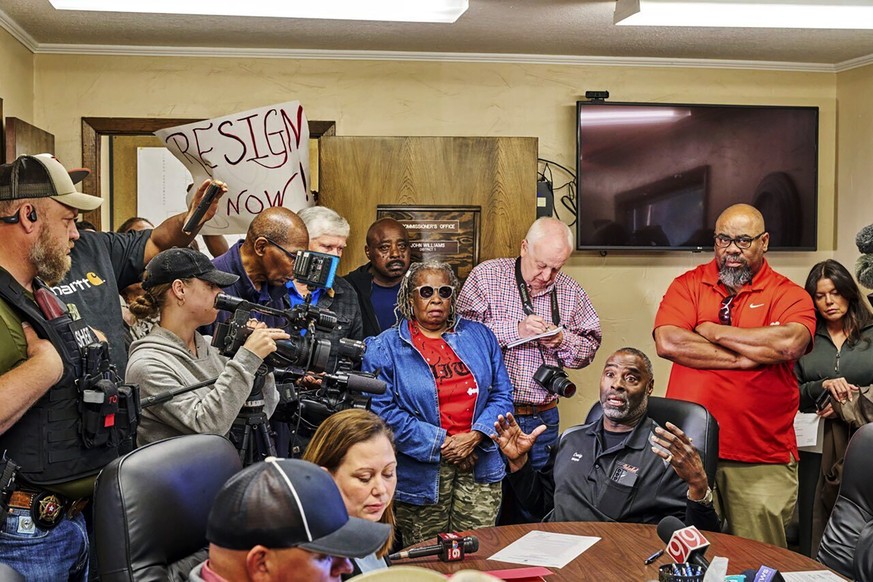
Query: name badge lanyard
[(527, 305)]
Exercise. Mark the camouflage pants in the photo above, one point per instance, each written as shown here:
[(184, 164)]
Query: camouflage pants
[(462, 504)]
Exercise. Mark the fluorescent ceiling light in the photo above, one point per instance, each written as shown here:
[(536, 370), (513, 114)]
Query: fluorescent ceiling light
[(446, 11), (833, 14), (618, 116)]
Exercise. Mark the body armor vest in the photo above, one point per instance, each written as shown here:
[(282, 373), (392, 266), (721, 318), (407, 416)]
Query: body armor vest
[(48, 440)]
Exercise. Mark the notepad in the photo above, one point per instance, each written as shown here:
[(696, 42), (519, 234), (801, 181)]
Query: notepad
[(524, 340)]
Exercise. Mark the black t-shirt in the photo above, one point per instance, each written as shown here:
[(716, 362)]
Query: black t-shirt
[(103, 263)]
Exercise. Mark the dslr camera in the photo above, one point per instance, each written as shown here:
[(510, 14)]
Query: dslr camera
[(555, 380)]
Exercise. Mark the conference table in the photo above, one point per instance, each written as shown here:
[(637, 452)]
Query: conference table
[(619, 554)]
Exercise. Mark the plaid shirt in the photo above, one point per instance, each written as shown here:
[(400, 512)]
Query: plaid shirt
[(489, 296)]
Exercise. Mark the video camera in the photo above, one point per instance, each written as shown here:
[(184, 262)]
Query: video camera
[(309, 391)]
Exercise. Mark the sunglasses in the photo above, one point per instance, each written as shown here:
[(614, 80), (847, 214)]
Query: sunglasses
[(724, 312), (426, 291)]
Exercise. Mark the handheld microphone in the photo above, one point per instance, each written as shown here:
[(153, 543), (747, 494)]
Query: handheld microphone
[(686, 545), (449, 547), (212, 191)]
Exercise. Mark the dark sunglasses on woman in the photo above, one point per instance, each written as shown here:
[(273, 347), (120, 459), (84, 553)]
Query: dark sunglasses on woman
[(426, 291)]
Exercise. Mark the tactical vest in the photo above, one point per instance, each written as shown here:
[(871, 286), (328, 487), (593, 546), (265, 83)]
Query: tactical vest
[(48, 441)]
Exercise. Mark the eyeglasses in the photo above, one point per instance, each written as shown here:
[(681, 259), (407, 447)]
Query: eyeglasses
[(289, 254), (724, 312), (742, 242), (426, 291)]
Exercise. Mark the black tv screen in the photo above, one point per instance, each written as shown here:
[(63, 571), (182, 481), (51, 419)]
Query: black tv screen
[(655, 176)]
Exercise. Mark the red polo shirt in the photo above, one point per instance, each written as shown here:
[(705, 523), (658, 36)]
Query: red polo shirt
[(754, 408)]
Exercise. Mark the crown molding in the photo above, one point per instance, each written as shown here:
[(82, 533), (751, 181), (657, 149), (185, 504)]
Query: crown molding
[(18, 33), (304, 54), (223, 52), (853, 63)]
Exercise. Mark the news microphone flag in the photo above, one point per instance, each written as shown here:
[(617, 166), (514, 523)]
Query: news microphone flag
[(686, 544)]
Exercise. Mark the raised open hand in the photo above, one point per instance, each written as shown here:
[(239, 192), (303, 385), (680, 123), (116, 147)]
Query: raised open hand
[(513, 442)]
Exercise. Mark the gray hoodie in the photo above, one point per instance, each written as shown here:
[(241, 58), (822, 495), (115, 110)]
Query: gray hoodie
[(161, 361)]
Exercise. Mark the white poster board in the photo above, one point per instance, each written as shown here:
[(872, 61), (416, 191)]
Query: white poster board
[(161, 183), (262, 154)]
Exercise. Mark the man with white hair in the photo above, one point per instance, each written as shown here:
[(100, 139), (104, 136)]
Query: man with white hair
[(328, 232), (544, 299)]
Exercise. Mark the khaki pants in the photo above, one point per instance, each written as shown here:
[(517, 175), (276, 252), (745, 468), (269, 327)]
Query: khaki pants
[(757, 500), (462, 505)]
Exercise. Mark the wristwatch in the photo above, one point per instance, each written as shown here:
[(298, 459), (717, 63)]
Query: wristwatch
[(705, 501)]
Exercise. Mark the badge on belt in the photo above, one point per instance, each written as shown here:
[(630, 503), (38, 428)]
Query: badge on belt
[(47, 509)]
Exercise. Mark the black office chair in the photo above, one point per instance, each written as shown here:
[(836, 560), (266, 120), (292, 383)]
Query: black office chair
[(850, 522), (151, 506), (694, 420)]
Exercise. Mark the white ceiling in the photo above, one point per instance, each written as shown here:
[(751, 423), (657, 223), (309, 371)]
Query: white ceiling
[(546, 30)]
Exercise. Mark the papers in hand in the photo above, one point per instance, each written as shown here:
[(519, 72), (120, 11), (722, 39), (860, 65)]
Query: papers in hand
[(524, 340), (809, 430)]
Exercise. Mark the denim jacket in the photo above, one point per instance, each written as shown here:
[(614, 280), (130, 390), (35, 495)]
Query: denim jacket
[(410, 405)]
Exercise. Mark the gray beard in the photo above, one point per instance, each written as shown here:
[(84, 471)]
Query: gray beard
[(629, 410), (735, 277), (51, 261)]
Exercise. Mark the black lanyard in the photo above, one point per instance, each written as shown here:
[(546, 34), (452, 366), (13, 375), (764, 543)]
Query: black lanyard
[(526, 304)]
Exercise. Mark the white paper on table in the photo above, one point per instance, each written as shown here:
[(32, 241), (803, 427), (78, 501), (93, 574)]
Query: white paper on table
[(540, 548), (809, 430), (811, 576), (524, 340)]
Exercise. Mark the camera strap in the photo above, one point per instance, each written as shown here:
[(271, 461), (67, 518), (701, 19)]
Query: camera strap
[(527, 304)]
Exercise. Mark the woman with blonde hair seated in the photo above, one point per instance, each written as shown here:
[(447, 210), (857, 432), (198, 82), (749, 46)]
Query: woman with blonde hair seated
[(357, 449)]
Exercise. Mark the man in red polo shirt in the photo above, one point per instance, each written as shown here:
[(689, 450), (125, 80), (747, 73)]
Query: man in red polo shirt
[(733, 328)]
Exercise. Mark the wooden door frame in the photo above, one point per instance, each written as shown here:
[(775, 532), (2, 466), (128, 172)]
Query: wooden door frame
[(94, 128)]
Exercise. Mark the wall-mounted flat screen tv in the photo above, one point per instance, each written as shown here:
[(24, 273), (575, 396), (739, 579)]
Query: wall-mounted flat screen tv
[(655, 176)]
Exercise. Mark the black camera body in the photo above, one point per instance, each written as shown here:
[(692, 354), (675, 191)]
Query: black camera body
[(555, 380), (309, 392), (304, 352)]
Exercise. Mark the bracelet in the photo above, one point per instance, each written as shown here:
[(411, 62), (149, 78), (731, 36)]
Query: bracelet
[(705, 500)]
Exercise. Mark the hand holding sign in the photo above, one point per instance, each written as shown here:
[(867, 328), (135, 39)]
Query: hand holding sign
[(262, 155)]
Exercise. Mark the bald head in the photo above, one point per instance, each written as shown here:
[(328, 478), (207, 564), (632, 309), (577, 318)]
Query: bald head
[(544, 251), (376, 230), (552, 229), (740, 243), (281, 226), (388, 250), (273, 238), (742, 215)]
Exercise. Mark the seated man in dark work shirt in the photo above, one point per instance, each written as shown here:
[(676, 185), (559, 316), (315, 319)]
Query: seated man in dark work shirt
[(608, 470)]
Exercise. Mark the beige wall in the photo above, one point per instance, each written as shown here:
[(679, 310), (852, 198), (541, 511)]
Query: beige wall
[(451, 99), (16, 78), (855, 168)]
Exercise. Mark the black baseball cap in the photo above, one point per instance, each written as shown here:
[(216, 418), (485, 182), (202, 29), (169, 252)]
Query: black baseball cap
[(43, 176), (184, 263), (289, 503)]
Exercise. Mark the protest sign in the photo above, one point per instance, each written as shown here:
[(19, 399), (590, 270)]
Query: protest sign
[(262, 154)]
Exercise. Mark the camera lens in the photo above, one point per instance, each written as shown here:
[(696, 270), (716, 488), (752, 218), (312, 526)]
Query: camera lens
[(563, 386)]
